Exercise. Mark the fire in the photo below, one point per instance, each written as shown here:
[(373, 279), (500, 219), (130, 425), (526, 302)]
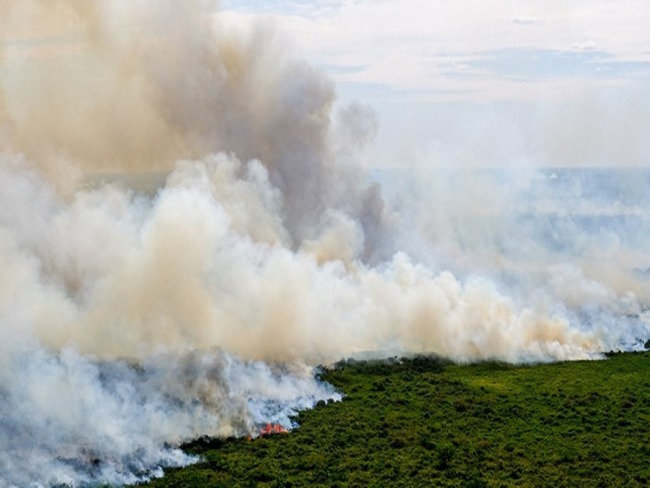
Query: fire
[(270, 429)]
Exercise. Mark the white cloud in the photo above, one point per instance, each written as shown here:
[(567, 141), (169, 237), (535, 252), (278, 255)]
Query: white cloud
[(526, 20), (417, 44)]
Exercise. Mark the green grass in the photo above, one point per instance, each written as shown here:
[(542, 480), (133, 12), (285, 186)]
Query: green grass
[(425, 422)]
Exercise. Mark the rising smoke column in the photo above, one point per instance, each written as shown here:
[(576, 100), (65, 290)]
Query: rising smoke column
[(132, 321), (165, 82)]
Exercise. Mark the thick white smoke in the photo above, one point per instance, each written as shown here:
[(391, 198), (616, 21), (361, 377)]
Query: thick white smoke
[(69, 418), (185, 233), (571, 242)]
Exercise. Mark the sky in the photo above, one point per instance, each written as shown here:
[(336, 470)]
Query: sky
[(460, 83), (470, 83)]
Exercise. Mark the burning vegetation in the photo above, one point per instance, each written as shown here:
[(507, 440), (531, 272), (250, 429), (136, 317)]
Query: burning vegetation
[(272, 429), (427, 422)]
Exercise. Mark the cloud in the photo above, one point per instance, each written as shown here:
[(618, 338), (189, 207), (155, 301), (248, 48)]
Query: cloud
[(526, 20), (407, 45), (540, 65), (457, 62)]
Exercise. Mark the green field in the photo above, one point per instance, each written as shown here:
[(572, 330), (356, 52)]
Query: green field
[(426, 422)]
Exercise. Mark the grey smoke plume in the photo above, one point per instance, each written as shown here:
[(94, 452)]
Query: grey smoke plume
[(67, 418), (185, 233), (157, 82)]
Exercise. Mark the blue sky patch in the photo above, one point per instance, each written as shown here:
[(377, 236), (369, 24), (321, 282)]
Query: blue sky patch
[(533, 64)]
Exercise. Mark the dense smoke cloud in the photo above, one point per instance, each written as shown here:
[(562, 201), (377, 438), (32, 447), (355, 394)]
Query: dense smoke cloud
[(185, 232), (570, 242), (67, 418), (147, 83)]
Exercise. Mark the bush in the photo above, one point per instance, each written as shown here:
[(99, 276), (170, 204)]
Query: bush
[(445, 455)]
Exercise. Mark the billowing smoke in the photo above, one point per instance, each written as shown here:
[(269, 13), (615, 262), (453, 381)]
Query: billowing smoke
[(571, 242), (185, 233), (69, 418), (143, 84)]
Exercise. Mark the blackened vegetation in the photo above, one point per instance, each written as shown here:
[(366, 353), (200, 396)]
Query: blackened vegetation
[(427, 422), (382, 367)]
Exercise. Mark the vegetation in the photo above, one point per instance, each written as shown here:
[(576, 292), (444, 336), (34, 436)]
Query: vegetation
[(426, 422)]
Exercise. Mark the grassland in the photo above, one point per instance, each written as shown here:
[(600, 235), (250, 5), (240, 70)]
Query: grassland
[(425, 422)]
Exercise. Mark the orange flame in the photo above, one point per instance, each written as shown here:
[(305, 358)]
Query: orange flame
[(270, 429)]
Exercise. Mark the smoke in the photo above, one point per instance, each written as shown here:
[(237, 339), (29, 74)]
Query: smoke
[(568, 242), (67, 418), (163, 82), (185, 232), (206, 263)]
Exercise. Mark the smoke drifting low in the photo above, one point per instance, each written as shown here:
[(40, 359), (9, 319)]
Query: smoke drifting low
[(185, 233)]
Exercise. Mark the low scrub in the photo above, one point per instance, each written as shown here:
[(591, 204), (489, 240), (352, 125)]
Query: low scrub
[(427, 422)]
